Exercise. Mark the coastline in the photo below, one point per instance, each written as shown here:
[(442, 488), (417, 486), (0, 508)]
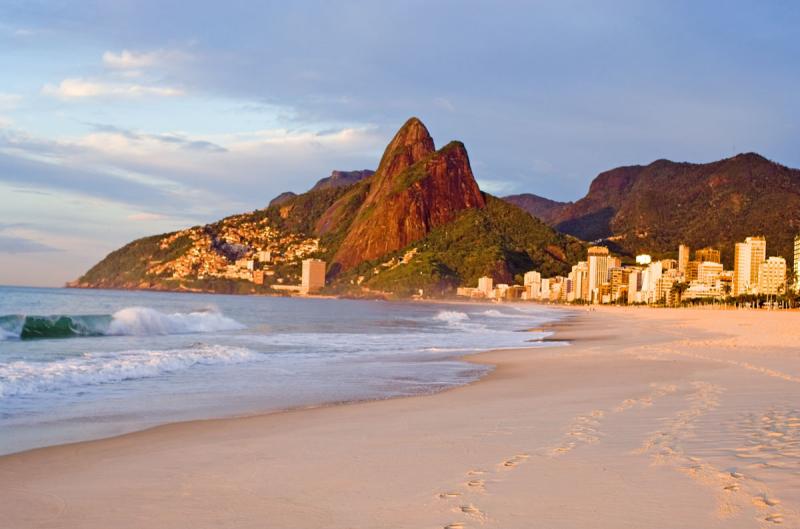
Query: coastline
[(555, 424)]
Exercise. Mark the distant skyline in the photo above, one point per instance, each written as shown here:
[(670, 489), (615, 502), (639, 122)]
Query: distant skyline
[(128, 118)]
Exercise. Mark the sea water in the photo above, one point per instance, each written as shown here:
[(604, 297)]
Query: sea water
[(85, 364)]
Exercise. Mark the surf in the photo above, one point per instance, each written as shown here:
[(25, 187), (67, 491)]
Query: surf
[(130, 321)]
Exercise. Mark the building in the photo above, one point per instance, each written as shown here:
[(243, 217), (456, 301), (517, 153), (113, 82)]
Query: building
[(258, 277), (708, 273), (313, 275), (618, 280), (683, 258), (580, 281), (747, 259), (598, 270), (707, 254), (635, 286), (670, 264), (796, 268), (643, 259), (486, 285), (772, 276), (692, 271)]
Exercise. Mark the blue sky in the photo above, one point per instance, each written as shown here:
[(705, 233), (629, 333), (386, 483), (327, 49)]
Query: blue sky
[(120, 119)]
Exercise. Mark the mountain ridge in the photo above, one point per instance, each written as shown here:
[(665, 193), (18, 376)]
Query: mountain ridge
[(655, 207)]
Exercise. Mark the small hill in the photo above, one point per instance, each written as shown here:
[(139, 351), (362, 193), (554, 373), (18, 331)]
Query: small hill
[(342, 179), (540, 207)]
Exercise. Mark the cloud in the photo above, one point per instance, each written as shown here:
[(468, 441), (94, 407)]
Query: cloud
[(12, 245), (139, 217), (445, 104), (133, 60), (9, 101), (171, 139), (76, 88)]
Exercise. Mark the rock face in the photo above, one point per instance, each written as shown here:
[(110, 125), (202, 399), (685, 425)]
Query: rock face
[(653, 208), (342, 179), (414, 190)]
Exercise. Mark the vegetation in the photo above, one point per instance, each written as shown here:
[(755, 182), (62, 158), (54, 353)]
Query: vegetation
[(501, 241)]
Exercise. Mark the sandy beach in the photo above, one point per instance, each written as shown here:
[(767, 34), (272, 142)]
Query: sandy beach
[(650, 418)]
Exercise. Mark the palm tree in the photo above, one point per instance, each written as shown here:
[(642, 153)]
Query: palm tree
[(678, 289)]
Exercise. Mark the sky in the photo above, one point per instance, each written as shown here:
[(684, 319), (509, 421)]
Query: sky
[(126, 118)]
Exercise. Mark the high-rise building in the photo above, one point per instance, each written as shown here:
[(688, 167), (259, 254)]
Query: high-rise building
[(486, 285), (313, 275), (772, 276), (692, 271), (741, 268), (580, 280), (758, 254), (797, 263), (635, 286), (618, 278), (747, 259), (707, 254), (683, 258), (533, 284), (598, 270)]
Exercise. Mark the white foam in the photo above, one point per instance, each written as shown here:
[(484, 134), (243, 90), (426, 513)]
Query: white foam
[(26, 378), (143, 321), (451, 316)]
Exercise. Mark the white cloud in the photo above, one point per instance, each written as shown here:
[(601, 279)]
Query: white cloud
[(137, 60), (82, 88), (9, 101), (146, 216), (5, 122), (446, 104)]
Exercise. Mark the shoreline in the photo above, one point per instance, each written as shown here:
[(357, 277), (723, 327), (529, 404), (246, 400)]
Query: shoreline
[(621, 429), (470, 357)]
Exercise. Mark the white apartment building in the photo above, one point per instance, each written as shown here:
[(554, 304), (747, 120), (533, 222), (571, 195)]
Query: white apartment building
[(772, 276)]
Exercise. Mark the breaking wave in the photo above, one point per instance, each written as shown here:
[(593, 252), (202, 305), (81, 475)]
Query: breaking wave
[(451, 317), (26, 378), (131, 321)]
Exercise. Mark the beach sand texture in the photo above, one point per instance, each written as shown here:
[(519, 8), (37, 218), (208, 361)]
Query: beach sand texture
[(650, 419)]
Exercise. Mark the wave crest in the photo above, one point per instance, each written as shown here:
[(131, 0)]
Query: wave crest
[(131, 321), (26, 378)]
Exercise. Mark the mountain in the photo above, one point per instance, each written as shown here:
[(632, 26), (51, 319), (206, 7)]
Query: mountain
[(414, 190), (342, 179), (283, 197), (419, 222), (540, 207), (656, 207), (335, 180)]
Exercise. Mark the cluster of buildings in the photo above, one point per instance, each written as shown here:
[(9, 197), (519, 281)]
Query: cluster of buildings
[(255, 251), (602, 278)]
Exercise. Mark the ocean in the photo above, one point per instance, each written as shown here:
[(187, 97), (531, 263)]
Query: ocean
[(86, 364)]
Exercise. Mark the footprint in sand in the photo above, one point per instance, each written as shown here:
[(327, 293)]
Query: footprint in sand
[(448, 495), (476, 483), (514, 461), (471, 510), (774, 518), (454, 525)]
